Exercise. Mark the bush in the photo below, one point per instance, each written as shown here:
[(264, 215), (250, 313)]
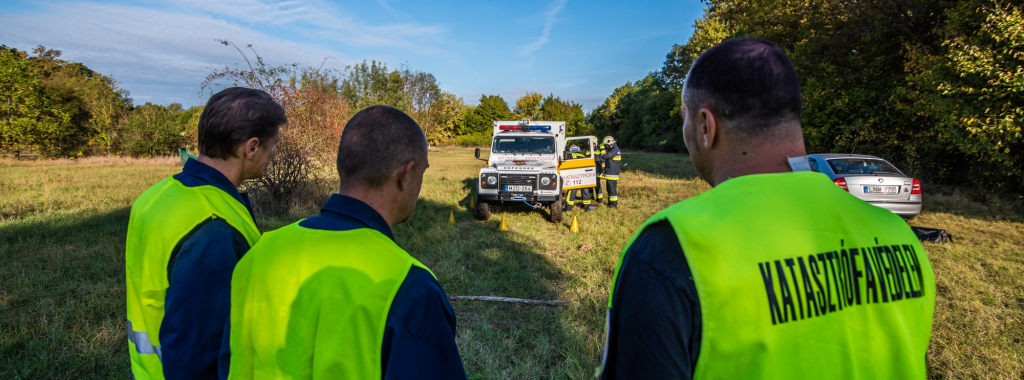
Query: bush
[(296, 176), (473, 140)]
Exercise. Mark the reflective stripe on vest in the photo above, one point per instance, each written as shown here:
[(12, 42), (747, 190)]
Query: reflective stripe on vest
[(611, 177), (163, 215), (143, 345), (302, 293), (798, 279)]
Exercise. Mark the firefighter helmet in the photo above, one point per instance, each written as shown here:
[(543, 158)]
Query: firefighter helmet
[(608, 140)]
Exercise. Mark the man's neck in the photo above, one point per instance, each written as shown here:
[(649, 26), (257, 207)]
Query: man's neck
[(775, 160), (232, 169), (377, 199)]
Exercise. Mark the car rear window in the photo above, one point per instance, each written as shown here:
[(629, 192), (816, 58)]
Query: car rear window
[(861, 166)]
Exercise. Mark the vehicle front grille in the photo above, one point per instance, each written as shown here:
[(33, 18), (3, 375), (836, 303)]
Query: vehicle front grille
[(517, 180)]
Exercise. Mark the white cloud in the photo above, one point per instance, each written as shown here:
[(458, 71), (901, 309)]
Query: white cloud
[(549, 22), (162, 55), (320, 19)]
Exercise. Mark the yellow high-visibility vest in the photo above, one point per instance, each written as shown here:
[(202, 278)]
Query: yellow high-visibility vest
[(798, 279), (162, 216), (313, 304)]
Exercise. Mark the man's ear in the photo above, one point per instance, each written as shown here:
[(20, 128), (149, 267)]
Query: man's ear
[(708, 129), (249, 147), (402, 174)]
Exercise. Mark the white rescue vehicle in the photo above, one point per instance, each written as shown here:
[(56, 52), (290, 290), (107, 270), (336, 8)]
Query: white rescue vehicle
[(528, 166)]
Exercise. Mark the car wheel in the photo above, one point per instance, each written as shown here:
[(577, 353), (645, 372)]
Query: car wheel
[(556, 211), (483, 210)]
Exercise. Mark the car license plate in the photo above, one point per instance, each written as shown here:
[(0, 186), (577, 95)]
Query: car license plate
[(518, 188), (882, 189)]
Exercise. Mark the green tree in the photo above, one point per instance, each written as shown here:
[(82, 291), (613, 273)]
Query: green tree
[(554, 108), (932, 85), (153, 130), (449, 111), (22, 102), (423, 92), (528, 106), (974, 86), (480, 119), (642, 115), (56, 107), (370, 84)]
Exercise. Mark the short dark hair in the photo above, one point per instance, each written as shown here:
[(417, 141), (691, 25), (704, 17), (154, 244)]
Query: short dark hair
[(235, 115), (748, 82), (375, 142)]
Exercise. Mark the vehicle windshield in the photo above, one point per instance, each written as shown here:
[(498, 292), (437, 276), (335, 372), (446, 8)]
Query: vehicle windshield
[(524, 144), (861, 166)]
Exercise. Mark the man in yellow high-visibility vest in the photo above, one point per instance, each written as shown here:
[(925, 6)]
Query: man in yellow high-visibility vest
[(775, 273), (187, 232), (333, 296)]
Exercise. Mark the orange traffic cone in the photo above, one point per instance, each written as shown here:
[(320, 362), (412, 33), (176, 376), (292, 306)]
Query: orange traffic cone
[(575, 227), (451, 217), (503, 226)]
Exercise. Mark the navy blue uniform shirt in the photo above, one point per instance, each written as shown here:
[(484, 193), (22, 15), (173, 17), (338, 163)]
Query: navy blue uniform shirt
[(419, 334), (654, 325), (198, 299)]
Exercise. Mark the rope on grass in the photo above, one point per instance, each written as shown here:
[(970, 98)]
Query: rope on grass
[(509, 300)]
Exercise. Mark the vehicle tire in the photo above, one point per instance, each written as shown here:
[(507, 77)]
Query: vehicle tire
[(483, 210), (556, 211)]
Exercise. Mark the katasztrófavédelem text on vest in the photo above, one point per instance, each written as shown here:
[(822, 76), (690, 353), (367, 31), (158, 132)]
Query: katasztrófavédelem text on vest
[(887, 273)]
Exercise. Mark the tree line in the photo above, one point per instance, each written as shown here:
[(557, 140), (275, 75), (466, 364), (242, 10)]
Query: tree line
[(58, 108), (936, 86)]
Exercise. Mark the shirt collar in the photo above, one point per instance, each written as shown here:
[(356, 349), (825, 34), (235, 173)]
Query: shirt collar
[(213, 177), (345, 206)]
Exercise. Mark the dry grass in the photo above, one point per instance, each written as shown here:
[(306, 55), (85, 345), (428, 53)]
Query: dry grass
[(62, 277), (979, 320)]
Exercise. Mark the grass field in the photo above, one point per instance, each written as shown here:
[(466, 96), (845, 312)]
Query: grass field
[(63, 224)]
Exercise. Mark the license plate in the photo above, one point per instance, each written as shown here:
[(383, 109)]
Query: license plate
[(518, 188), (882, 189)]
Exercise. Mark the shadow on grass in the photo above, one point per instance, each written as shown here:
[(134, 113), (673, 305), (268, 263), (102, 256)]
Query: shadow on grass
[(468, 188), (993, 208), (62, 296), (473, 258)]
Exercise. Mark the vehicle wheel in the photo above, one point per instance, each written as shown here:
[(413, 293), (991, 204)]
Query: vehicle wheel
[(556, 211), (483, 210)]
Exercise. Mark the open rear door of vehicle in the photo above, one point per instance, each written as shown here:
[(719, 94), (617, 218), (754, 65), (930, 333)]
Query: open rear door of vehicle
[(581, 172)]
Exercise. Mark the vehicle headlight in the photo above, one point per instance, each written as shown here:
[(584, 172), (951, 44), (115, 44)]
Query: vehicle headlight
[(545, 181), (492, 180)]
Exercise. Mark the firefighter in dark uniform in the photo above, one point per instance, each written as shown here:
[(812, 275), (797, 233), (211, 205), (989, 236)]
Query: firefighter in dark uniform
[(612, 158), (574, 153), (599, 164)]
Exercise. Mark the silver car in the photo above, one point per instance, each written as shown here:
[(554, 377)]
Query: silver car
[(872, 179)]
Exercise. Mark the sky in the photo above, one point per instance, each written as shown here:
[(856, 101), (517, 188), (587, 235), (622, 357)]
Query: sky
[(161, 51)]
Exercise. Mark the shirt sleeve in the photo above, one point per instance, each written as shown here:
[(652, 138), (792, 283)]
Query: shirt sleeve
[(419, 335), (654, 325), (198, 300)]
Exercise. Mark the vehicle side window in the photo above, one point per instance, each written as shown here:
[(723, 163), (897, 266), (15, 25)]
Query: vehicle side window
[(814, 164)]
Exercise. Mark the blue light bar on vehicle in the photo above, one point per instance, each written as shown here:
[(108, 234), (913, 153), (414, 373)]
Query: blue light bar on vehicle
[(524, 128)]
